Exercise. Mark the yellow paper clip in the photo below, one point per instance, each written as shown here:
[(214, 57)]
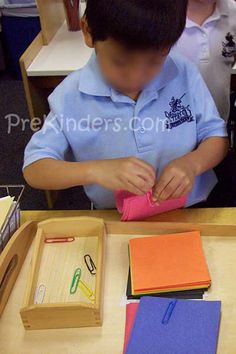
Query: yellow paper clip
[(86, 291)]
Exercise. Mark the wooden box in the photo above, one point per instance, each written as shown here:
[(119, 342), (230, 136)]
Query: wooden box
[(63, 246)]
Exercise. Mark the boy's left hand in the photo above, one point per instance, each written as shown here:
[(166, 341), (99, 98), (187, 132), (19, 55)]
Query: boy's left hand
[(176, 180)]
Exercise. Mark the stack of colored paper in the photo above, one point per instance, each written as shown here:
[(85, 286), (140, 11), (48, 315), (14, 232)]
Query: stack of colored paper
[(168, 326), (182, 294), (168, 263)]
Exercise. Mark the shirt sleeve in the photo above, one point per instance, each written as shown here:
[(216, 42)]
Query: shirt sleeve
[(209, 123), (49, 142)]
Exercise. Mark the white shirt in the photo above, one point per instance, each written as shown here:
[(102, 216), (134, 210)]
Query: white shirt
[(213, 53)]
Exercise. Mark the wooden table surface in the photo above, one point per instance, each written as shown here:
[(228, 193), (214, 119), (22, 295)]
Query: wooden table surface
[(220, 250)]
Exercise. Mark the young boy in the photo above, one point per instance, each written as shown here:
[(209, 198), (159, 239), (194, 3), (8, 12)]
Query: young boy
[(209, 41), (134, 118)]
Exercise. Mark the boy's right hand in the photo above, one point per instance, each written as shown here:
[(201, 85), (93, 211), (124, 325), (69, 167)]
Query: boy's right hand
[(129, 173)]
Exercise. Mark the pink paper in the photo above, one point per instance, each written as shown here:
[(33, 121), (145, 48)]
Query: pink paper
[(131, 310), (135, 207)]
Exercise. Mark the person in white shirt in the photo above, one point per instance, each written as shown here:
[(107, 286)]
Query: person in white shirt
[(209, 41)]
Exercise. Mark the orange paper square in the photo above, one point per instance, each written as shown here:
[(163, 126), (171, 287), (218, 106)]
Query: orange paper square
[(174, 261)]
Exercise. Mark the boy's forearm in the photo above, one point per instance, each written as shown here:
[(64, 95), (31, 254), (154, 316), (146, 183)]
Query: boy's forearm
[(56, 174), (208, 154)]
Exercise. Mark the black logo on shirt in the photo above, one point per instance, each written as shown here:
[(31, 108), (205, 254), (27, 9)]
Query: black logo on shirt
[(178, 113), (229, 47)]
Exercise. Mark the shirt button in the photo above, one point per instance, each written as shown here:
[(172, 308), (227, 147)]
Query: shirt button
[(204, 35), (142, 130)]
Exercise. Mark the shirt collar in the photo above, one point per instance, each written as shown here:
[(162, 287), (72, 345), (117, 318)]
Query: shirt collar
[(222, 9), (168, 73), (223, 6), (91, 80), (93, 83)]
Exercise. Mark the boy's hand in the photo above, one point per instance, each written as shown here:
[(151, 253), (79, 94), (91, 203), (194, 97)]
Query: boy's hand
[(131, 174), (176, 180)]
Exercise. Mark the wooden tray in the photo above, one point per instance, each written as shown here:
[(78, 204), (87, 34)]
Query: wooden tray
[(48, 301)]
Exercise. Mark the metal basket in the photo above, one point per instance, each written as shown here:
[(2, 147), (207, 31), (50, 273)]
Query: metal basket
[(12, 221)]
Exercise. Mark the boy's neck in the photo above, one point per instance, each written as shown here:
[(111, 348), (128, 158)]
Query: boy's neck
[(133, 95), (199, 12)]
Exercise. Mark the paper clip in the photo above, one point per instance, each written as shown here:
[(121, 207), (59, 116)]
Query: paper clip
[(90, 264), (40, 293), (86, 291), (169, 312), (59, 239), (75, 281)]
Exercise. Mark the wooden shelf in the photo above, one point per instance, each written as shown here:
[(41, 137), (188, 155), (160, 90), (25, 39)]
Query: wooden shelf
[(65, 53)]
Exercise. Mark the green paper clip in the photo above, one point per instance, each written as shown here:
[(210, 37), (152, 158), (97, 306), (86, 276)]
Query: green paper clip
[(75, 281)]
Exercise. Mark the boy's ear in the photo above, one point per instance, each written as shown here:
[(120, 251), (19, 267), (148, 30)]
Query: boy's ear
[(86, 32)]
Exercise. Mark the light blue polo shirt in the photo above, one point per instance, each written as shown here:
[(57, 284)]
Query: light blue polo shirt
[(89, 120)]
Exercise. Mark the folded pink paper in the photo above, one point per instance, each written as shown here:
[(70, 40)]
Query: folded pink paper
[(136, 207)]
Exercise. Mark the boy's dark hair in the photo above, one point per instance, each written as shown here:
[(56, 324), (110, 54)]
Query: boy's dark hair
[(138, 24)]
